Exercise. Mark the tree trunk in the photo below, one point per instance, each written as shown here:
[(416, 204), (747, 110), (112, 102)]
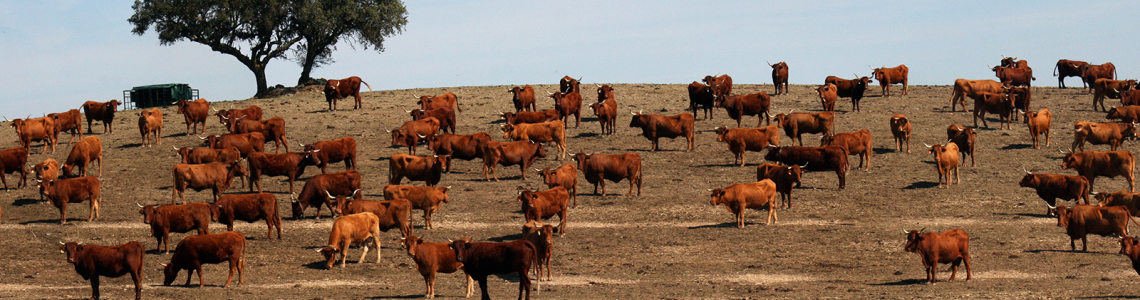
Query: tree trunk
[(307, 67), (259, 74)]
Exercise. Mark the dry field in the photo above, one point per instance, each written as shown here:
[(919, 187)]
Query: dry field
[(667, 243)]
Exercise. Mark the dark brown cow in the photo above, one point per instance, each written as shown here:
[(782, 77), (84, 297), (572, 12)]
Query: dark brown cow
[(103, 112), (1022, 97), (205, 155), (87, 150), (701, 96), (529, 117), (605, 91), (93, 261), (193, 251), (721, 85), (68, 121), (14, 160), (523, 98), (565, 176), (740, 196), (901, 128), (314, 193), (428, 169), (849, 88), (333, 151), (597, 168), (1000, 104), (542, 237), (1112, 134), (227, 117), (250, 208), (828, 96), (538, 206), (483, 259), (272, 129), (568, 104), (216, 176), (445, 116), (855, 143), (554, 131), (413, 132), (164, 219), (607, 115), (290, 165), (780, 78), (1091, 164), (1111, 89), (740, 140), (1039, 123), (150, 125), (1130, 246), (348, 230), (568, 84), (1082, 220), (739, 106), (195, 112), (425, 198), (246, 143), (1068, 68), (448, 100), (797, 124), (654, 127), (73, 190), (46, 170), (888, 76), (1128, 200), (1051, 187), (946, 161), (39, 129), (395, 213), (949, 247), (432, 258), (1014, 76), (1130, 97), (522, 153), (1126, 114), (965, 88), (784, 177), (465, 147), (966, 140), (829, 158), (342, 88), (1090, 73)]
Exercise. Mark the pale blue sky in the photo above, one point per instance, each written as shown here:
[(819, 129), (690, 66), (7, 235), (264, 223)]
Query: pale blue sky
[(58, 54)]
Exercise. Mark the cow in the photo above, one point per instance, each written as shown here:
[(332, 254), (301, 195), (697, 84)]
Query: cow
[(194, 112), (1131, 247), (738, 106), (568, 104), (43, 171), (290, 165), (333, 151), (849, 88), (355, 229), (565, 176), (1014, 76), (740, 196), (542, 237), (568, 84), (164, 219), (314, 193), (205, 155), (605, 91), (482, 259), (828, 158), (68, 121), (93, 261), (1038, 123), (740, 140), (1128, 200), (1068, 68), (87, 150), (150, 125), (1130, 97), (1112, 134), (701, 96), (827, 97), (73, 190), (39, 129), (1013, 62), (244, 142), (250, 208), (272, 129), (425, 198), (432, 258), (529, 117), (1082, 220), (521, 153), (428, 169), (523, 98), (1111, 89), (538, 206), (193, 251), (797, 124), (103, 112), (1091, 164), (779, 77), (336, 89), (597, 168), (966, 140), (14, 160), (965, 88), (216, 176), (465, 147), (607, 114), (721, 85), (946, 160), (228, 117), (1021, 98), (901, 128), (1000, 104), (654, 127), (855, 143), (445, 116), (413, 132), (1090, 73), (888, 76), (1051, 187), (448, 100), (554, 131), (949, 247), (395, 213), (1126, 114), (783, 177)]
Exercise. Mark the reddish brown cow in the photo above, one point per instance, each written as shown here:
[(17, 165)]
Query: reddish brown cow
[(1068, 68), (901, 128), (780, 78), (1000, 104), (605, 91), (554, 131), (348, 230), (1038, 123), (1090, 73), (483, 259), (1091, 164), (965, 88), (314, 193), (250, 208), (39, 129), (87, 150), (339, 89), (465, 147), (849, 88), (949, 247), (1022, 97), (784, 177), (44, 171), (1112, 134), (568, 104), (797, 124), (721, 85), (739, 106), (523, 98), (529, 117), (68, 121), (1014, 76), (246, 143), (521, 153), (542, 237), (13, 160), (597, 168), (946, 160), (216, 176), (607, 115), (272, 129), (538, 206), (445, 116), (1082, 220), (103, 112), (228, 117), (193, 251), (1125, 199), (195, 112), (290, 165), (565, 176), (1111, 89), (568, 84), (428, 169), (701, 96), (333, 151), (205, 155), (448, 100), (93, 261), (741, 196), (1130, 246), (740, 140), (827, 98), (395, 213), (425, 198), (1051, 187), (432, 258), (150, 125), (966, 140), (1126, 114), (164, 219), (888, 76), (1013, 62), (654, 127), (855, 143), (73, 190), (1130, 97), (829, 158), (413, 132)]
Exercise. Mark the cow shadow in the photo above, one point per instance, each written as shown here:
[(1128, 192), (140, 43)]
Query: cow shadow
[(725, 165), (913, 281), (409, 296), (1038, 251), (921, 185), (723, 225), (23, 202), (1109, 296), (1027, 215), (132, 145), (70, 221), (1017, 146), (506, 238), (886, 150), (586, 134)]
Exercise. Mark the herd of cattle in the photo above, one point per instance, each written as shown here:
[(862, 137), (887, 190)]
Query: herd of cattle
[(241, 154)]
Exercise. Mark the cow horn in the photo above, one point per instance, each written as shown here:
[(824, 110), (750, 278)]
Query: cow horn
[(1026, 171), (354, 193), (5, 118), (906, 231), (330, 194), (407, 111), (549, 93), (632, 113), (1094, 193), (1003, 56), (1015, 58), (200, 137), (538, 170), (421, 136), (389, 131), (640, 111), (598, 85), (769, 64), (302, 144), (579, 79), (212, 108), (805, 165), (175, 148), (921, 230), (1050, 206), (140, 205), (927, 145), (869, 66), (414, 95), (164, 265)]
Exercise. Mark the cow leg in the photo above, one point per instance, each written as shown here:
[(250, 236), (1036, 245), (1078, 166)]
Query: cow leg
[(483, 288), (427, 218), (95, 287), (429, 281), (63, 211), (524, 282), (1084, 244)]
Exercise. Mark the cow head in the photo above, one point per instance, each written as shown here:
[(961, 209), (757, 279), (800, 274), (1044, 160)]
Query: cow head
[(794, 173), (460, 247), (605, 91), (540, 152), (410, 244), (1007, 62), (826, 140), (311, 158), (717, 196), (1103, 199), (45, 185), (898, 122), (515, 91), (527, 196), (1029, 180), (937, 150), (113, 105), (568, 84), (1127, 243), (150, 213), (341, 201), (441, 192), (773, 154), (720, 131), (71, 250), (399, 137), (298, 207), (509, 116), (169, 273), (781, 120), (1071, 161), (557, 96), (1063, 214), (824, 89), (329, 253), (545, 232), (639, 120), (913, 239), (778, 66), (581, 158), (417, 114), (548, 176), (597, 108), (223, 116)]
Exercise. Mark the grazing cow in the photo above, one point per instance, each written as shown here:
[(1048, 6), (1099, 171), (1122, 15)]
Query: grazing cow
[(607, 114), (740, 140), (413, 132), (1090, 73), (1112, 134), (966, 140), (946, 160), (314, 193), (605, 91), (855, 143), (93, 261), (342, 88), (568, 84), (565, 176), (216, 176), (1091, 164), (542, 237), (416, 168), (1000, 104), (597, 168), (1051, 187), (1038, 123), (1111, 89), (448, 100), (797, 124), (523, 98), (193, 251), (39, 129), (432, 258), (1014, 76), (150, 125), (827, 97), (333, 151), (1130, 97), (739, 106), (272, 129), (849, 88), (195, 112), (395, 213), (721, 85), (250, 208), (530, 117), (1126, 114), (445, 116), (290, 165), (73, 190), (949, 247), (568, 104), (348, 230), (465, 147), (783, 177), (554, 131), (244, 142), (103, 112), (829, 158), (1128, 200), (780, 78), (1082, 220), (229, 117), (482, 259), (425, 198), (740, 196), (164, 219), (654, 127), (68, 121), (14, 160), (901, 128), (204, 155), (888, 76), (538, 206), (701, 96), (965, 88), (88, 149), (44, 171), (1021, 98), (521, 153), (1068, 68)]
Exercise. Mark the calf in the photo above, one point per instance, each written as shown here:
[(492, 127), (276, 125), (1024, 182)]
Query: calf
[(554, 131), (597, 168), (483, 259), (739, 106), (827, 97), (1050, 187), (856, 143), (313, 194), (784, 177), (828, 158), (425, 198), (607, 114), (336, 89), (85, 151), (93, 261), (290, 165), (428, 169), (738, 197), (193, 251), (949, 247), (272, 129), (568, 104), (13, 160), (565, 176), (966, 140), (103, 112), (1000, 104), (740, 140), (150, 125), (654, 127), (445, 116), (215, 176), (797, 124), (1112, 134), (432, 258), (542, 237), (521, 153), (543, 205), (164, 219), (1082, 220), (413, 132), (1128, 200), (334, 151), (1126, 114), (348, 230), (946, 160), (195, 112), (523, 98), (780, 77), (245, 142), (852, 88), (250, 208), (1091, 164), (465, 147), (1038, 123), (396, 213), (528, 117), (73, 190), (901, 128), (44, 171), (701, 97), (68, 121)]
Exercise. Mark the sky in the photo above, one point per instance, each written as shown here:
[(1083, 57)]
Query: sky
[(55, 55)]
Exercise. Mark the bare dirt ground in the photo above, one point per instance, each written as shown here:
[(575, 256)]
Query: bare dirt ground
[(668, 243)]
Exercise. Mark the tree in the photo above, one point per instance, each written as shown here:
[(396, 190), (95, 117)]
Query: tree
[(322, 23)]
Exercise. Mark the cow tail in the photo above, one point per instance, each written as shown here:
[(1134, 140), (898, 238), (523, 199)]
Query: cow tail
[(1130, 217), (534, 250), (457, 104), (1055, 68), (366, 84)]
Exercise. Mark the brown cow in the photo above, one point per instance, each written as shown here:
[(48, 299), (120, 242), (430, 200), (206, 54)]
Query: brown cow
[(554, 131), (272, 129), (250, 208), (85, 151), (740, 140), (413, 132), (701, 96), (901, 128), (428, 169), (1068, 68), (1109, 88), (1126, 114), (1125, 199), (1082, 220), (946, 160), (333, 151), (1090, 73), (1014, 76), (193, 251), (448, 100), (465, 147), (103, 112), (739, 106), (855, 143), (888, 76), (205, 155), (44, 171), (228, 117), (538, 206), (1112, 134), (783, 177), (68, 121), (244, 142), (425, 198), (1022, 97), (482, 259), (568, 104), (73, 190), (523, 98), (431, 258), (1000, 104), (607, 115), (1130, 97), (797, 124), (739, 196), (1130, 246), (654, 127), (529, 117), (1091, 164), (721, 85), (827, 97), (150, 125), (216, 176), (829, 158), (313, 194), (565, 176), (542, 237), (949, 247), (395, 213), (849, 88), (605, 91), (597, 168), (339, 89), (14, 160), (93, 261), (195, 112), (290, 165), (521, 153), (348, 230), (568, 84), (780, 77), (39, 129), (445, 116), (1051, 187), (965, 88), (1013, 62), (164, 219), (966, 140), (1039, 123)]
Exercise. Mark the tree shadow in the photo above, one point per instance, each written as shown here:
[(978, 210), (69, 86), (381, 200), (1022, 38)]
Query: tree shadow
[(921, 185)]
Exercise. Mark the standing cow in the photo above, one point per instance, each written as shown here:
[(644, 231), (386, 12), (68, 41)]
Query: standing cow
[(94, 261), (949, 247), (103, 112), (901, 128), (150, 125), (195, 112), (597, 168), (779, 78), (654, 127), (342, 88), (741, 196), (888, 76)]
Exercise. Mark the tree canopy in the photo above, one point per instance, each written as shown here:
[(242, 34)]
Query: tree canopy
[(322, 23)]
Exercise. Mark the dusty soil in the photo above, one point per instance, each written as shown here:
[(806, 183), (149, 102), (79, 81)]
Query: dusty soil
[(667, 243)]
